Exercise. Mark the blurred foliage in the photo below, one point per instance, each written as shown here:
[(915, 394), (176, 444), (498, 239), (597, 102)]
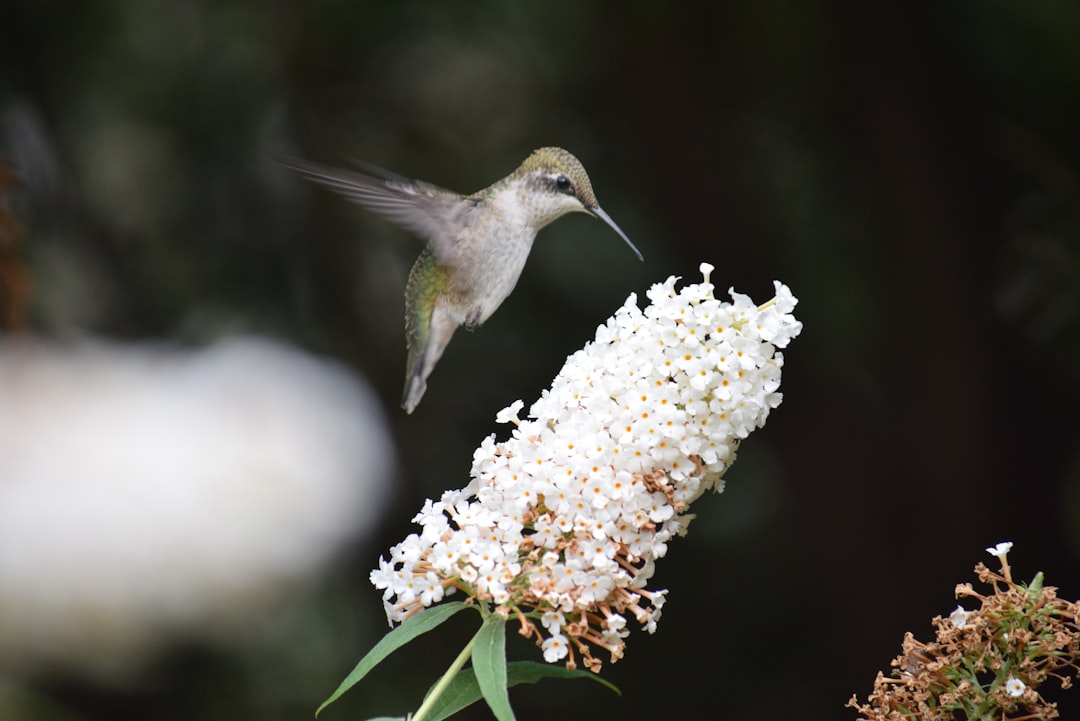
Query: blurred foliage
[(910, 170)]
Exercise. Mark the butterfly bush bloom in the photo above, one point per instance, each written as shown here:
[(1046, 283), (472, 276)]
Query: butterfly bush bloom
[(562, 523)]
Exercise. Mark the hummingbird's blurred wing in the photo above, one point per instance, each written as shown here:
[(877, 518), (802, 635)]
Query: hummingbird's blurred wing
[(433, 214)]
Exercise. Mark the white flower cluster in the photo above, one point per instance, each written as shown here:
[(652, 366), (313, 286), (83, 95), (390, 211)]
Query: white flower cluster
[(562, 522)]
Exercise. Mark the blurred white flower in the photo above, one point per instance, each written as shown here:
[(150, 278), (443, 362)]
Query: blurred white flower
[(1000, 550), (148, 492), (564, 520)]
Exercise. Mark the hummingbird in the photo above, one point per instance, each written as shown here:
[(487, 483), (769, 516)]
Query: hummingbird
[(477, 244)]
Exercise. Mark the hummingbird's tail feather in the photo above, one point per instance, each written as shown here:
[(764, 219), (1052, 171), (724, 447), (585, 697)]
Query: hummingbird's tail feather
[(415, 386), (428, 325), (422, 359)]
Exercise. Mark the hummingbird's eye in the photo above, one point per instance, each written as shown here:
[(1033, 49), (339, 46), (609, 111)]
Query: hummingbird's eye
[(563, 184)]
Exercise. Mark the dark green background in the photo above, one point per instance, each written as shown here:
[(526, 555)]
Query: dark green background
[(909, 169)]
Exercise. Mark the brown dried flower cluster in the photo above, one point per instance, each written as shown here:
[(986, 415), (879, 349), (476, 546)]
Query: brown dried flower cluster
[(987, 663)]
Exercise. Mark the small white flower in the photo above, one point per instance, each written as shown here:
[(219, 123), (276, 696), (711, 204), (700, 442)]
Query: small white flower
[(432, 590), (1015, 687), (615, 623), (555, 648), (552, 621), (959, 617), (510, 413), (1000, 550)]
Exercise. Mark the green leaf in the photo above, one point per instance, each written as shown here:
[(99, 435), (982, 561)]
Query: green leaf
[(533, 671), (1036, 585), (465, 691), (489, 665), (414, 626)]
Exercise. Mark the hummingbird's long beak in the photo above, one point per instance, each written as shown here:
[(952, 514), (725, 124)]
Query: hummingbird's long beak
[(599, 213)]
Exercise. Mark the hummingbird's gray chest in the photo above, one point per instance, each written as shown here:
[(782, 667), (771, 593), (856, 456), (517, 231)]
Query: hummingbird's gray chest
[(492, 250)]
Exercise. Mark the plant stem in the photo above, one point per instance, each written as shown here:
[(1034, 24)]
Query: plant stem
[(447, 677)]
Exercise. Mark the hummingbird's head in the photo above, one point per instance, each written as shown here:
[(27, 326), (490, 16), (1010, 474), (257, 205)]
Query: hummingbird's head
[(558, 182)]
